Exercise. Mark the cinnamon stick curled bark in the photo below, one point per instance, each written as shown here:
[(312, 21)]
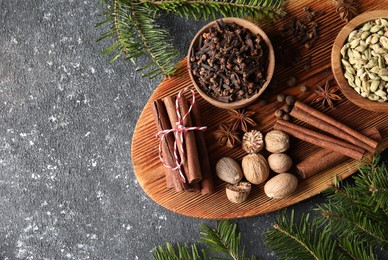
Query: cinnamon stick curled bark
[(162, 123), (207, 184), (169, 102), (325, 159), (191, 164), (194, 174), (323, 125), (326, 127), (320, 161), (318, 139), (321, 136), (370, 142)]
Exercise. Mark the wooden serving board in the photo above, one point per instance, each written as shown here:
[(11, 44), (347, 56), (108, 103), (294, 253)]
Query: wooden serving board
[(150, 171)]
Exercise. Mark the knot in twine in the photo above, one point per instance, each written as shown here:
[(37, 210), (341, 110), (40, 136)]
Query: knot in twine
[(178, 131)]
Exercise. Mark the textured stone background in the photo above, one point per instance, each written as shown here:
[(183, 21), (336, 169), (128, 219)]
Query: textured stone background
[(67, 188)]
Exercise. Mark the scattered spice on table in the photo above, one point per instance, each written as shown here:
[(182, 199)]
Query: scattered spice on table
[(307, 64), (302, 32), (240, 119), (303, 88), (290, 100), (281, 98), (347, 9), (287, 109), (326, 94), (279, 113), (291, 81), (227, 136)]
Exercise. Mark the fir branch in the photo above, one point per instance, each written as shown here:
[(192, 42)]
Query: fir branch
[(156, 41), (224, 240), (372, 179), (345, 197), (356, 249), (184, 252), (304, 241), (256, 9), (358, 210), (122, 27), (137, 35), (354, 217), (346, 222)]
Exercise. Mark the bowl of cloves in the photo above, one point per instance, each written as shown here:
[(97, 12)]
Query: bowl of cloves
[(231, 62), (359, 60)]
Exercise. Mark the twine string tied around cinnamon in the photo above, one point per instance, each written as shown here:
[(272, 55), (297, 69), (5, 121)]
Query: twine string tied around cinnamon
[(178, 132)]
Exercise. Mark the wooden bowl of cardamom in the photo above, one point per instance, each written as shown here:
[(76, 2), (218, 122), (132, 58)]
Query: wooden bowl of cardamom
[(359, 60), (231, 62)]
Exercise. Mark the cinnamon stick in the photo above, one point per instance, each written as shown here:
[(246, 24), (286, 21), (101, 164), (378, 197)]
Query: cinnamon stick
[(320, 161), (169, 103), (162, 122), (370, 142), (207, 184), (325, 159), (322, 136), (323, 125), (317, 139), (194, 174)]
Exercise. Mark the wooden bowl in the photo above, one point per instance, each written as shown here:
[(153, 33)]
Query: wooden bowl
[(269, 71), (336, 64)]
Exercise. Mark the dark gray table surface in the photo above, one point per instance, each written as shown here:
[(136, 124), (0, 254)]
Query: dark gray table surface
[(67, 187)]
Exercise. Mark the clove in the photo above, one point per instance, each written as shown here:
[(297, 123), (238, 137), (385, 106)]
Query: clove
[(304, 31)]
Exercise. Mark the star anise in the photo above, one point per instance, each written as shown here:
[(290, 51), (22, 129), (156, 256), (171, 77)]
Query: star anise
[(241, 119), (326, 94), (227, 136), (347, 9)]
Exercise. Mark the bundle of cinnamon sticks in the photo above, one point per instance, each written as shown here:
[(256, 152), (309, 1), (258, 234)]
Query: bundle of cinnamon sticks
[(343, 143), (196, 166)]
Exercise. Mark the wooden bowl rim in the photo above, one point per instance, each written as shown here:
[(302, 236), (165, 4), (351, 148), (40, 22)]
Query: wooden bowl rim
[(336, 63), (270, 68)]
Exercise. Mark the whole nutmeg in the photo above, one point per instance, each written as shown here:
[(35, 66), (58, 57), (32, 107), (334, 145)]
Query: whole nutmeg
[(281, 185), (255, 168), (229, 170), (277, 141), (279, 162), (253, 142), (238, 193)]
